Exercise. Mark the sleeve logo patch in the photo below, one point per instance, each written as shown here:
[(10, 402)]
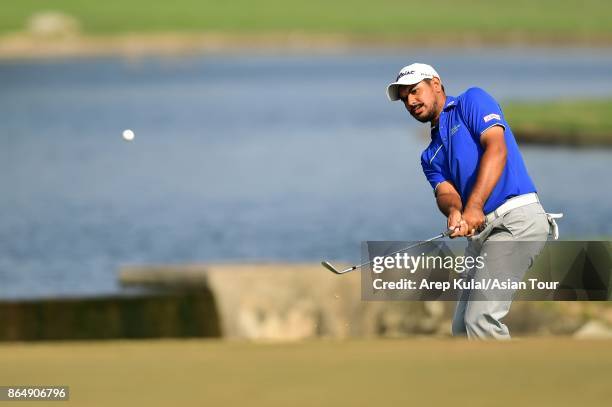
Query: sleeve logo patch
[(490, 117)]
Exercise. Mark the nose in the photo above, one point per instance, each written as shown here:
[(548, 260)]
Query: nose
[(410, 102)]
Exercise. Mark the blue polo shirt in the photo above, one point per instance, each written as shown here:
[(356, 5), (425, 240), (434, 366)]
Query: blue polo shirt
[(455, 151)]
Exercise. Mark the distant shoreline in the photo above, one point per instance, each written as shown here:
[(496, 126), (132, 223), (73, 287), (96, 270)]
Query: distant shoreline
[(559, 138), (579, 122), (28, 46), (137, 26)]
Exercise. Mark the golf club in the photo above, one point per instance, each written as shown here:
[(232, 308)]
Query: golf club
[(331, 268)]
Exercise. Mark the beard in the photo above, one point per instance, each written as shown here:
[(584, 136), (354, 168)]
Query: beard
[(428, 115)]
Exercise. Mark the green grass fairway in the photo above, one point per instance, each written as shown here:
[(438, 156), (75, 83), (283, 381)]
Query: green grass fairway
[(410, 372), (552, 20), (575, 122)]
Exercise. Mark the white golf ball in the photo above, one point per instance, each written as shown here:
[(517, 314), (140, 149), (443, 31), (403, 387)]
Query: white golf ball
[(128, 135)]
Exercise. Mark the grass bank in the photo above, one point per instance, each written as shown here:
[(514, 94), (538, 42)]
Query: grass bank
[(406, 20), (581, 122), (552, 372)]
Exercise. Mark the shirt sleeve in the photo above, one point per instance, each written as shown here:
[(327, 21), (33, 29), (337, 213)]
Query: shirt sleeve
[(434, 167), (480, 111)]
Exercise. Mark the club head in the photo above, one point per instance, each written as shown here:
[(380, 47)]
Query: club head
[(331, 268)]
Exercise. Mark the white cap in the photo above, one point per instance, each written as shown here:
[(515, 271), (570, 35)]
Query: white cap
[(409, 75)]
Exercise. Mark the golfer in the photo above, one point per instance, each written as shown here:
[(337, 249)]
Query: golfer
[(481, 185)]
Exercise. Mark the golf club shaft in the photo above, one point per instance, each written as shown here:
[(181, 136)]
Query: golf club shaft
[(440, 236)]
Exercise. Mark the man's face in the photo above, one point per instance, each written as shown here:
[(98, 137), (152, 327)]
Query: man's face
[(420, 100)]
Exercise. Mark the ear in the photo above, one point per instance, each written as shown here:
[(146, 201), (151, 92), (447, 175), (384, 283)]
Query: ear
[(437, 85)]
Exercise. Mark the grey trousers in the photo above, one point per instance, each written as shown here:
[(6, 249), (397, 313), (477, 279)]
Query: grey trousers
[(478, 314)]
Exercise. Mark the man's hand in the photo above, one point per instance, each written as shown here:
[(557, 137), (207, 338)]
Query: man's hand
[(474, 218), (449, 202), (458, 226)]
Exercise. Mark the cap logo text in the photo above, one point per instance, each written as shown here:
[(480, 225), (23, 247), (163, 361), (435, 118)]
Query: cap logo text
[(404, 74)]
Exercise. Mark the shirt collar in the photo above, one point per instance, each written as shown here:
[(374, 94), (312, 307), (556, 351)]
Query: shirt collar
[(450, 102)]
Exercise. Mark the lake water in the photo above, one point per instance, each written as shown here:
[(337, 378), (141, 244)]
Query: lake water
[(240, 158)]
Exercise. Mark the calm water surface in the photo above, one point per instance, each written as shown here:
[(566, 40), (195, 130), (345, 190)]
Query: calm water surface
[(240, 158)]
